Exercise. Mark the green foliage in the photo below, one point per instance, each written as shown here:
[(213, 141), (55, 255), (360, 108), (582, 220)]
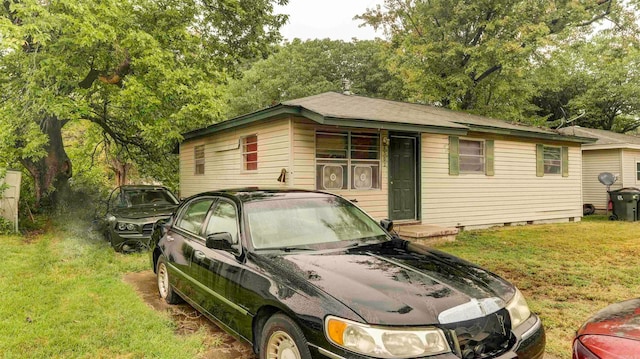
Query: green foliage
[(612, 98), (143, 71), (304, 68), (476, 55), (6, 226), (592, 83)]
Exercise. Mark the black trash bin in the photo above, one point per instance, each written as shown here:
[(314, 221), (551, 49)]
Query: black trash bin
[(625, 204)]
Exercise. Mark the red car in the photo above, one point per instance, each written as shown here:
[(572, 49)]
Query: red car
[(612, 333)]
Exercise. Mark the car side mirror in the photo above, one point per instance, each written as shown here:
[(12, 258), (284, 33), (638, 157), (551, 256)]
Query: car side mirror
[(220, 240), (387, 224)]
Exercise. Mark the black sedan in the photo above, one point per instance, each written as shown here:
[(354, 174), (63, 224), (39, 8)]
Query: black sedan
[(302, 274), (131, 212)]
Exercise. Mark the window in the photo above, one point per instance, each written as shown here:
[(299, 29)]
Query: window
[(223, 219), (198, 155), (347, 160), (250, 153), (638, 171), (471, 156), (193, 215), (552, 160)]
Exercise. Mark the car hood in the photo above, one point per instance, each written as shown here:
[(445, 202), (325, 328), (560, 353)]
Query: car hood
[(391, 286), (137, 212), (618, 320)]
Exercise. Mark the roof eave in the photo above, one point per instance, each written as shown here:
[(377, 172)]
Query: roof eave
[(611, 146), (530, 134), (386, 125), (271, 112), (283, 110)]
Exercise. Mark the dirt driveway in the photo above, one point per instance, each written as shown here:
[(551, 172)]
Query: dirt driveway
[(188, 320)]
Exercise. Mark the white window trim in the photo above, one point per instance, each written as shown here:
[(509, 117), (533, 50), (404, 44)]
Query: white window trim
[(244, 153)]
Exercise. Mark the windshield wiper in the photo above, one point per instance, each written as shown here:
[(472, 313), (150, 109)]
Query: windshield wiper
[(294, 248)]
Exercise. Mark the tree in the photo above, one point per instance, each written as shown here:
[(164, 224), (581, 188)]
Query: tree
[(304, 68), (611, 100), (476, 55), (593, 83), (143, 71)]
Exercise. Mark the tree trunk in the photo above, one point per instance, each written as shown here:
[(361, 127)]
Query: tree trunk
[(51, 173), (121, 169)]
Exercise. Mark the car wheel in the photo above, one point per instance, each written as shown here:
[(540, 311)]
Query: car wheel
[(164, 287), (283, 339)]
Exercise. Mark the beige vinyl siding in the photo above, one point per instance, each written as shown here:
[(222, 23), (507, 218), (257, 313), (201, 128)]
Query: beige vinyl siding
[(513, 195), (374, 202), (627, 175), (595, 162), (224, 162)]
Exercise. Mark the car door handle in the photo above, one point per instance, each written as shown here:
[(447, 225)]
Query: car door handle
[(198, 255), (169, 238)]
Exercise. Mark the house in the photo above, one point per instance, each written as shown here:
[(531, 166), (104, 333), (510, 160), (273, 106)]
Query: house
[(612, 152), (409, 162)]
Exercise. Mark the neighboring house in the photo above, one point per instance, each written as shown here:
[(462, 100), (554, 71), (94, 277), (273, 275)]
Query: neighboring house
[(612, 152), (10, 196), (408, 162)]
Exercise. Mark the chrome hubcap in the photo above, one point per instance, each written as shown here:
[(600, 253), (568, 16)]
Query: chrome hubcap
[(163, 280), (282, 346)]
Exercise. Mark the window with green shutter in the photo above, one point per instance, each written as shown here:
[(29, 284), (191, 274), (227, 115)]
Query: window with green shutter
[(552, 160), (471, 156)]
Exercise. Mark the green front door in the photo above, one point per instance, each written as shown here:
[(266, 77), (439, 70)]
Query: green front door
[(403, 182)]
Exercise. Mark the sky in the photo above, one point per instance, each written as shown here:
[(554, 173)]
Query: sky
[(312, 19)]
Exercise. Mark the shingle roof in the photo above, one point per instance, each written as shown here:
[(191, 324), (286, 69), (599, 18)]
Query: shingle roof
[(332, 104), (335, 105), (603, 137), (331, 108)]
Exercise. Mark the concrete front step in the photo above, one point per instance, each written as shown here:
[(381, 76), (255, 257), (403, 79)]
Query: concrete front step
[(427, 234)]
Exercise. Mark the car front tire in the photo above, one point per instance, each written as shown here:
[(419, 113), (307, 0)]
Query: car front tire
[(164, 286), (283, 339)]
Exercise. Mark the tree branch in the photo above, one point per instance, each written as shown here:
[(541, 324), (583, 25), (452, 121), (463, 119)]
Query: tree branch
[(487, 73), (89, 79), (606, 12)]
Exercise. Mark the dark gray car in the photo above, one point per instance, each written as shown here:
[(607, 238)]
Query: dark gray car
[(131, 213)]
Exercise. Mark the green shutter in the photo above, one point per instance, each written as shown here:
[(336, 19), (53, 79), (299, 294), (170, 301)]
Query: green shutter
[(540, 160), (489, 157), (565, 161), (454, 156)]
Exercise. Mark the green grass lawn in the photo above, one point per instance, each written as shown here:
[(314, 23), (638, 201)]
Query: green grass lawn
[(63, 297), (566, 271), (63, 294)]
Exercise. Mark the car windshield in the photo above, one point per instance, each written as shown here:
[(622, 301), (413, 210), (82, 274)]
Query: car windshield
[(144, 197), (284, 222)]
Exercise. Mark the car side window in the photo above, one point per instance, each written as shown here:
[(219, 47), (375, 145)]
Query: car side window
[(223, 218), (193, 216)]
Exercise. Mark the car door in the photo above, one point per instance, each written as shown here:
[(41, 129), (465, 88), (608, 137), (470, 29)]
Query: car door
[(222, 268), (178, 247)]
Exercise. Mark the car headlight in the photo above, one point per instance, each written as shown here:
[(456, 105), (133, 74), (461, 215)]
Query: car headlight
[(385, 342), (123, 226), (518, 310)]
